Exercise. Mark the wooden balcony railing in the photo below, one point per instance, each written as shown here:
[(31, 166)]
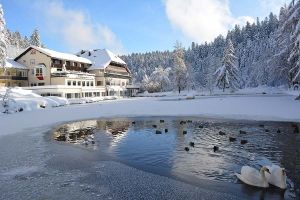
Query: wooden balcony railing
[(19, 78), (116, 73)]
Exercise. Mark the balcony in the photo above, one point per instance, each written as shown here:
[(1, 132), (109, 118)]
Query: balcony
[(73, 74), (16, 78), (116, 73), (57, 65)]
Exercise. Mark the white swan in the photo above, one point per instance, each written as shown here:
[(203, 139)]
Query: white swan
[(277, 176), (252, 177)]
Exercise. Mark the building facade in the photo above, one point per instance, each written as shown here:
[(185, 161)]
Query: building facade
[(52, 73), (13, 74), (111, 72)]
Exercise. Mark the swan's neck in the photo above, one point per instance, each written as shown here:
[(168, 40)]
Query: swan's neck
[(263, 176), (262, 173)]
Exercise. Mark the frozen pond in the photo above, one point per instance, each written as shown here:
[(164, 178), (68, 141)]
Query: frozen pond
[(183, 148)]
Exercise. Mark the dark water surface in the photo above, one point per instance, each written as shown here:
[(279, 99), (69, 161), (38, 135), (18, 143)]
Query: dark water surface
[(161, 146)]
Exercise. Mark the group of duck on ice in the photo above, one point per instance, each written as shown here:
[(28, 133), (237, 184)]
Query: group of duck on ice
[(273, 175)]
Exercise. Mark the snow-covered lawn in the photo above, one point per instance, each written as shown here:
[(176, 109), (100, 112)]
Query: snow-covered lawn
[(249, 107), (25, 100)]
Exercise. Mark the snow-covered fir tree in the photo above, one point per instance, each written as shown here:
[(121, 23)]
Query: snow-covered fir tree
[(3, 39), (35, 38), (292, 25), (227, 74), (161, 76), (180, 70), (266, 54)]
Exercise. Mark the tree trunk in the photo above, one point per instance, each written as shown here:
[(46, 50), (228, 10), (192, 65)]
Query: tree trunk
[(179, 89), (224, 87)]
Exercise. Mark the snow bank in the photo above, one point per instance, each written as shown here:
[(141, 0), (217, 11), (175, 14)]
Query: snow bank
[(62, 101), (26, 100), (91, 99)]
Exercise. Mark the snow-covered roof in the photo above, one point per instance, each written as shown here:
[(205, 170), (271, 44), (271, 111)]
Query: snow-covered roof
[(10, 63), (100, 58), (59, 55)]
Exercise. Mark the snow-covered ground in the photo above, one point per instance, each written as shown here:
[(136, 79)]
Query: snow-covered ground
[(250, 107), (215, 92), (34, 167)]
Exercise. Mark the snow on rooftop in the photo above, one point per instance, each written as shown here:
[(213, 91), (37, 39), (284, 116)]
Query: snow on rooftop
[(10, 63), (100, 58), (59, 55)]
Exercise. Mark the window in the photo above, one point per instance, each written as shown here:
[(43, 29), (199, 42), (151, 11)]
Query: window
[(79, 83), (32, 61), (74, 83), (103, 94), (38, 71), (99, 83), (88, 83), (67, 63), (75, 64), (83, 83), (69, 82), (32, 71), (41, 84), (92, 83), (123, 83), (77, 95), (20, 74), (111, 93), (57, 61), (68, 95)]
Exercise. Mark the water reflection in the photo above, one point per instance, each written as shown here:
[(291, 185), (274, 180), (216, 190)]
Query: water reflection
[(145, 143)]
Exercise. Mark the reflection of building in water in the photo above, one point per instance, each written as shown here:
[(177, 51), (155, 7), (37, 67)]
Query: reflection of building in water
[(77, 132), (81, 125)]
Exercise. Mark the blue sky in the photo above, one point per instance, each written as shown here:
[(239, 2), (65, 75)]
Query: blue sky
[(126, 26)]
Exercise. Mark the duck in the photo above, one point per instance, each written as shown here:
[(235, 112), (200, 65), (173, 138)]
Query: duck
[(216, 148), (192, 144), (277, 176), (253, 177)]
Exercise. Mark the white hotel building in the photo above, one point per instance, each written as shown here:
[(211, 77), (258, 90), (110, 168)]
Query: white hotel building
[(88, 74)]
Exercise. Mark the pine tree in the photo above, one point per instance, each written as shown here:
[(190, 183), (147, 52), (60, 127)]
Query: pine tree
[(3, 39), (293, 22), (227, 74), (180, 70), (35, 38)]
